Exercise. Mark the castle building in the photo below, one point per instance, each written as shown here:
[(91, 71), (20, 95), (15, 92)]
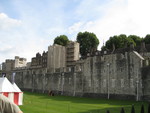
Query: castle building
[(40, 61), (10, 64), (19, 62), (36, 61), (44, 59), (120, 73), (56, 58), (72, 53)]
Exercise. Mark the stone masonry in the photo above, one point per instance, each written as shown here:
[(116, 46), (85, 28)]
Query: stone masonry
[(121, 74), (108, 76)]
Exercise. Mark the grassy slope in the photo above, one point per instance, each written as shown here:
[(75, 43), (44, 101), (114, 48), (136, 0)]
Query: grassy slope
[(42, 103)]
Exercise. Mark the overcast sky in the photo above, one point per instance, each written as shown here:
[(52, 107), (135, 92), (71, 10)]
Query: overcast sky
[(30, 26)]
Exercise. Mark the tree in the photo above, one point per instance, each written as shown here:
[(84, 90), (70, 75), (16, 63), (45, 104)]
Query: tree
[(88, 42), (136, 39), (147, 39), (120, 41), (61, 40), (112, 40)]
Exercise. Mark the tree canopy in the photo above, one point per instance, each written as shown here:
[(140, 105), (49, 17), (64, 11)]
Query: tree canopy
[(120, 41), (88, 42), (136, 39), (61, 40), (147, 39)]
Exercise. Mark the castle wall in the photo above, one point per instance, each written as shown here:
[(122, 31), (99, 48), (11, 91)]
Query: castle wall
[(146, 82), (109, 76)]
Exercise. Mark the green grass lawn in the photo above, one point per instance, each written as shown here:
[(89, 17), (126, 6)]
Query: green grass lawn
[(42, 103)]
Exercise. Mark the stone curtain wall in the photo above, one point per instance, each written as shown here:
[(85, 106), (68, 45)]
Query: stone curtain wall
[(146, 82), (114, 75)]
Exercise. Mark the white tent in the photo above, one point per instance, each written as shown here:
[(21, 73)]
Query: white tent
[(6, 86), (11, 91), (16, 87)]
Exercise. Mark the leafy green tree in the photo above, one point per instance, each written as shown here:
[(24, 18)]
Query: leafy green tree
[(120, 41), (136, 39), (147, 39), (88, 42), (112, 40), (61, 40)]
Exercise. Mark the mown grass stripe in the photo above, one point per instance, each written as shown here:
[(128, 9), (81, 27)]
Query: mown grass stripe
[(42, 103)]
